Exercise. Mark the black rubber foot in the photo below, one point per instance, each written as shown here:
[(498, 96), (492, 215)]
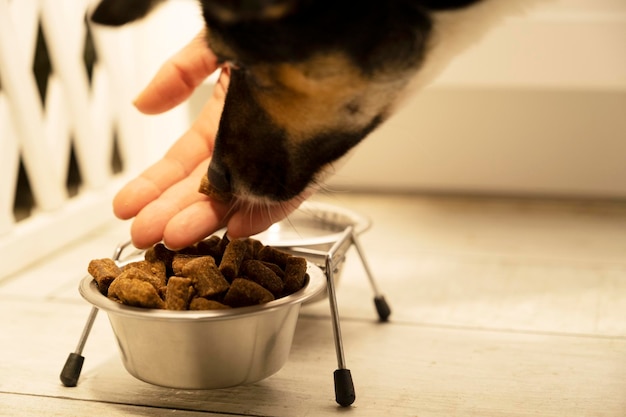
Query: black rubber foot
[(382, 308), (71, 370), (344, 388)]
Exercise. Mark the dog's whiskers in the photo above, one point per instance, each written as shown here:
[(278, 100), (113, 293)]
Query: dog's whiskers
[(233, 207)]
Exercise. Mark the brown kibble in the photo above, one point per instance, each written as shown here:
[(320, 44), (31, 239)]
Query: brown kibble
[(179, 261), (273, 255), (254, 246), (244, 292), (188, 250), (224, 242), (295, 274), (199, 303), (211, 247), (137, 293), (207, 188), (179, 292), (279, 272), (159, 252), (258, 272), (207, 278), (133, 273), (233, 256), (247, 273), (154, 268), (104, 271)]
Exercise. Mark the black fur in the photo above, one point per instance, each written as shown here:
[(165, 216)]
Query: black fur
[(447, 4), (374, 34), (272, 167), (238, 155), (120, 12)]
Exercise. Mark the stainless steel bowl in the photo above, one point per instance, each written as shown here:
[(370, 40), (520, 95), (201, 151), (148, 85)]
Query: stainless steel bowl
[(205, 349), (314, 225)]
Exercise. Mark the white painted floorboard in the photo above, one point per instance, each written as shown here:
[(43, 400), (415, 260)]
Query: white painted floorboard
[(501, 307)]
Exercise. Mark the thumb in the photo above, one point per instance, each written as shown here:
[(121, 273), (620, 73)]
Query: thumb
[(178, 77)]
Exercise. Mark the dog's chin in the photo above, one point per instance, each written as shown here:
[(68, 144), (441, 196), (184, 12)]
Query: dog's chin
[(247, 198), (245, 195)]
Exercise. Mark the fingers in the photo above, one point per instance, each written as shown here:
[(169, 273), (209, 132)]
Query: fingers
[(243, 224), (178, 77), (194, 147), (164, 199), (178, 163), (204, 217), (182, 216), (194, 223), (149, 224), (250, 220)]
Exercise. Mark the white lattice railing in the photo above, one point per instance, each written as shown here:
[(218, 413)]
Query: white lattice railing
[(68, 133)]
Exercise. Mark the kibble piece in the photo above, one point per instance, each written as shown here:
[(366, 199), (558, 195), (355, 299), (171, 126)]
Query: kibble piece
[(258, 272), (132, 273), (233, 256), (199, 303), (159, 252), (179, 261), (295, 274), (155, 268), (211, 247), (207, 278), (207, 188), (104, 271), (273, 255), (254, 246), (134, 292), (243, 292), (243, 272), (179, 292), (188, 250), (279, 272)]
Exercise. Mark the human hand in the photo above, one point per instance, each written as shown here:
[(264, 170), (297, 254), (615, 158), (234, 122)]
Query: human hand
[(164, 199)]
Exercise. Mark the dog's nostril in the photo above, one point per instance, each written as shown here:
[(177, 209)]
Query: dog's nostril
[(219, 178)]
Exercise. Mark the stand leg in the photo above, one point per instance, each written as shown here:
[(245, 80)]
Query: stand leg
[(344, 386), (382, 308), (74, 362)]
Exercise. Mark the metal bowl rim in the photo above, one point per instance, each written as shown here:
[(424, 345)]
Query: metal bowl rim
[(359, 222)]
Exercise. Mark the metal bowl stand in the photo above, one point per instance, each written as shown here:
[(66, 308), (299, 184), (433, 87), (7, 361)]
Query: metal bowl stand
[(328, 261)]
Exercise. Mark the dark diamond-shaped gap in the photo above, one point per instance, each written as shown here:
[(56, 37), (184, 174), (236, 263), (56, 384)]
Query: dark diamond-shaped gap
[(24, 201), (42, 67), (74, 178), (90, 57), (117, 163)]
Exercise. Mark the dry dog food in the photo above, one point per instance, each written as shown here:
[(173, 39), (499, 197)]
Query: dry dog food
[(215, 273), (207, 189)]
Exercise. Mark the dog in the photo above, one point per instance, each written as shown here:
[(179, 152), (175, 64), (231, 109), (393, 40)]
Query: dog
[(310, 79)]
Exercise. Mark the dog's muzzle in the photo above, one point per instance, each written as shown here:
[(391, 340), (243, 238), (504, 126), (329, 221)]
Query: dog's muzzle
[(219, 178)]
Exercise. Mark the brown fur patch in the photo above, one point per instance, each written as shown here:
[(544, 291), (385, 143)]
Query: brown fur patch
[(321, 94)]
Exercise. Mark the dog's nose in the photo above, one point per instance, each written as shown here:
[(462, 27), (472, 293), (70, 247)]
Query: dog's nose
[(219, 178)]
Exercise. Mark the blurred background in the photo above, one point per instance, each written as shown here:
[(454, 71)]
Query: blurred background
[(537, 108)]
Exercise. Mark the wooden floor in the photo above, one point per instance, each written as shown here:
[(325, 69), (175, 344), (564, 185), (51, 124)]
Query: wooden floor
[(500, 308)]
